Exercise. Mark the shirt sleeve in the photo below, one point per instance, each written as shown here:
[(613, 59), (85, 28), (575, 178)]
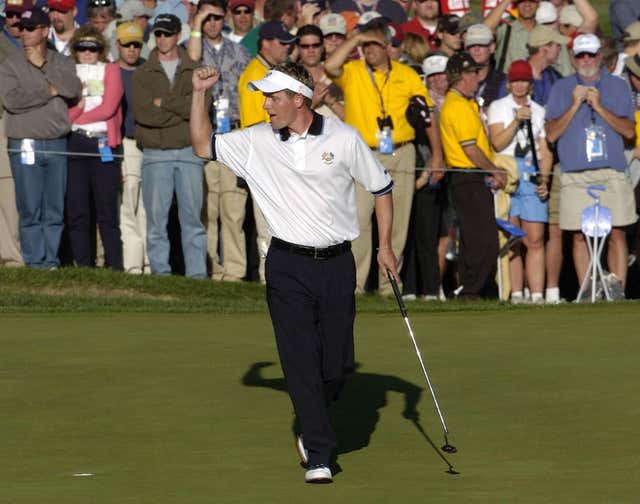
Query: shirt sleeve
[(467, 131), (498, 113), (233, 149), (367, 170)]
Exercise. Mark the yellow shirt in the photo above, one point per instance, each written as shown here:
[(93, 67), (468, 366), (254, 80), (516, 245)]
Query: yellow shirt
[(362, 105), (251, 111), (460, 124), (637, 127)]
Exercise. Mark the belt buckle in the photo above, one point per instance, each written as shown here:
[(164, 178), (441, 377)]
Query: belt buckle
[(315, 254)]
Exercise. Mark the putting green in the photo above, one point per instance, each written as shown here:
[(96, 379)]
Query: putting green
[(542, 405)]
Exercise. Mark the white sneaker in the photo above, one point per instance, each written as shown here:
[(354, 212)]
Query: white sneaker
[(430, 297), (318, 474), (302, 451), (408, 297)]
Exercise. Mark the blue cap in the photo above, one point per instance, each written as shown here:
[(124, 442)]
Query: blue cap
[(276, 30)]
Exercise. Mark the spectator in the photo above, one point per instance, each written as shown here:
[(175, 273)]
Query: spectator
[(173, 7), (101, 15), (480, 45), (327, 97), (285, 11), (449, 35), (93, 182), (579, 17), (510, 119), (242, 18), (226, 199), (36, 83), (389, 9), (425, 21), (311, 11), (512, 38), (431, 213), (416, 49), (621, 14), (544, 46), (631, 46), (466, 148), (377, 92), (334, 32), (395, 49), (133, 218), (137, 12), (62, 14), (633, 72), (589, 114), (161, 103), (547, 14), (9, 242)]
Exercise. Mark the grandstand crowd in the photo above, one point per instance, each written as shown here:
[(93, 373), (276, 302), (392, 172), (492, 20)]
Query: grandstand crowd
[(489, 123)]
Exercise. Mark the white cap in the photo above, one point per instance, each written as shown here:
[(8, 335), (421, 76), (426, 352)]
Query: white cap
[(333, 23), (436, 63), (478, 34), (368, 16), (586, 42), (570, 15), (134, 8), (276, 81), (546, 13)]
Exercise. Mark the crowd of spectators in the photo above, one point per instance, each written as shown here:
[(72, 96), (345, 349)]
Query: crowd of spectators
[(530, 100)]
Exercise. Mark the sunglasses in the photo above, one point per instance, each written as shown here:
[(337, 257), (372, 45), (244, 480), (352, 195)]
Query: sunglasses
[(317, 45), (136, 45), (335, 36), (215, 17), (423, 1), (10, 15), (240, 12), (583, 55), (29, 28), (91, 49), (160, 33)]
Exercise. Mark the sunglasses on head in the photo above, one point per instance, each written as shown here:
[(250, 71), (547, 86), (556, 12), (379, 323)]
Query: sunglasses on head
[(99, 3), (129, 45), (215, 17), (160, 33), (317, 45), (91, 49), (10, 15), (239, 12)]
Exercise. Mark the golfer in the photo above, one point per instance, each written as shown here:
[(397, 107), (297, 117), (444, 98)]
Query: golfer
[(301, 170)]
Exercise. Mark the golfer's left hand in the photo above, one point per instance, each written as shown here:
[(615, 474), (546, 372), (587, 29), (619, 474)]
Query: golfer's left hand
[(387, 261)]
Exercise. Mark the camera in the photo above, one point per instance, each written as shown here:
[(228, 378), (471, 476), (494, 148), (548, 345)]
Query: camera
[(534, 178), (385, 122)]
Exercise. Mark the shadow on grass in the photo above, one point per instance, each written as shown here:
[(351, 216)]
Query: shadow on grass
[(355, 415)]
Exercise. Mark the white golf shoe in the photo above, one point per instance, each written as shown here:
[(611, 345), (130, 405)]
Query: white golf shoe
[(318, 474)]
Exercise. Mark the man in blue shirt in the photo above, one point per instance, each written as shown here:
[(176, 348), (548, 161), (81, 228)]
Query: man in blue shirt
[(589, 115)]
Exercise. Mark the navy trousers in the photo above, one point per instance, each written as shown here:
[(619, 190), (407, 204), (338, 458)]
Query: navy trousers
[(312, 308)]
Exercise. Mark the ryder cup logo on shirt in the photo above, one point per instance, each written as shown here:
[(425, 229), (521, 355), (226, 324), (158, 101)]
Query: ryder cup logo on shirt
[(327, 158)]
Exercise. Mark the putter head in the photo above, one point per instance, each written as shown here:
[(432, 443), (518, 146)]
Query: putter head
[(449, 448)]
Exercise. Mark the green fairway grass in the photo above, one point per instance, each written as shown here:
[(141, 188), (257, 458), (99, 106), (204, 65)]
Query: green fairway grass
[(182, 408)]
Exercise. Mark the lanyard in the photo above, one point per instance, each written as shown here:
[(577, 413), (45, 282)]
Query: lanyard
[(378, 90), (592, 112)]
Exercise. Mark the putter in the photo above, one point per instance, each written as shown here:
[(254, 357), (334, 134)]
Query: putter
[(447, 448)]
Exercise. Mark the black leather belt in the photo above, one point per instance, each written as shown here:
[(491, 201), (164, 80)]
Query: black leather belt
[(315, 253)]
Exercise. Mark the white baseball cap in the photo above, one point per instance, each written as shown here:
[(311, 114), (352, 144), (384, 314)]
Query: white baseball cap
[(570, 15), (546, 13), (276, 81), (436, 63), (333, 23), (478, 34), (586, 43), (367, 17)]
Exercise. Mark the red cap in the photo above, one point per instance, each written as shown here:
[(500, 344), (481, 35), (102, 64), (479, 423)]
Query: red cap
[(61, 5), (17, 5), (247, 3), (520, 70)]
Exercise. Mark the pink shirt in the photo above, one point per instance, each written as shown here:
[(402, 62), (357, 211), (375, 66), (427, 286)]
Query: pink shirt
[(111, 108)]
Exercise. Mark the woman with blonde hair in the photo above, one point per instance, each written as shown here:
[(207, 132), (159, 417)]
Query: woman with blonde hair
[(93, 181)]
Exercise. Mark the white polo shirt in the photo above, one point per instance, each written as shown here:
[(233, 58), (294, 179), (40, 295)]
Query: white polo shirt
[(304, 183)]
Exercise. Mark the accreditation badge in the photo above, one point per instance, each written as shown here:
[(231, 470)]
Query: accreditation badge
[(385, 142), (595, 144), (223, 120)]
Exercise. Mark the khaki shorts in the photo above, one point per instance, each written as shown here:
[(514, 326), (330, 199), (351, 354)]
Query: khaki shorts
[(554, 196), (618, 197)]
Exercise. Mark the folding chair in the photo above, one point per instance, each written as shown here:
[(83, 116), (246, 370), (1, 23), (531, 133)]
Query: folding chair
[(513, 232), (596, 225)]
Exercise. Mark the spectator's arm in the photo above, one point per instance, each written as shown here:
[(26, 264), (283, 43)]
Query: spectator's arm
[(480, 160), (194, 46), (111, 99), (75, 112), (622, 125), (501, 134), (18, 98), (495, 16), (546, 158), (589, 16), (333, 64), (436, 164), (180, 105), (555, 128), (61, 74), (145, 112)]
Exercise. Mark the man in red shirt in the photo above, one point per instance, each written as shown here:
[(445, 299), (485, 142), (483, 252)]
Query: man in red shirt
[(425, 21)]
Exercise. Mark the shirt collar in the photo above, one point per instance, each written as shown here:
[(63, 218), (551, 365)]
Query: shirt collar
[(315, 129)]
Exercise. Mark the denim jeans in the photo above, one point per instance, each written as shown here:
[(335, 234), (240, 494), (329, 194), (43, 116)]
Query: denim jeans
[(40, 190), (164, 171)]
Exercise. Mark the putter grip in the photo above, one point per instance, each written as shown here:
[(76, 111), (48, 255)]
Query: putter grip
[(396, 292)]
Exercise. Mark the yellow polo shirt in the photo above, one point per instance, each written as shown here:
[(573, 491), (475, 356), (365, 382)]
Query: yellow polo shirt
[(637, 127), (251, 102), (362, 102), (460, 124)]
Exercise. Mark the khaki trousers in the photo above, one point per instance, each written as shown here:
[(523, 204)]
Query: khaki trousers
[(227, 202), (9, 241), (133, 218), (401, 166)]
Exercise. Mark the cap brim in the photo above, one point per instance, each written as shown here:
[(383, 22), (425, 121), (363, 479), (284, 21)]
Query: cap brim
[(266, 86)]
